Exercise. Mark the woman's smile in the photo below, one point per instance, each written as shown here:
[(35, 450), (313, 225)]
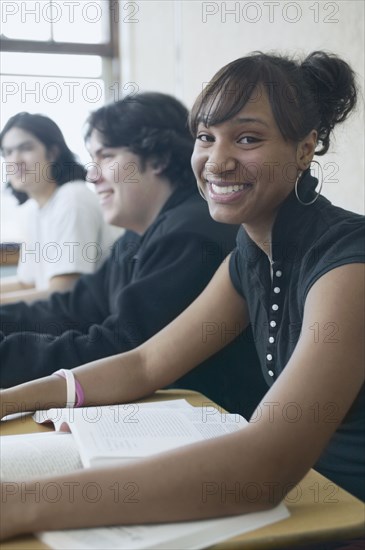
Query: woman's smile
[(227, 192)]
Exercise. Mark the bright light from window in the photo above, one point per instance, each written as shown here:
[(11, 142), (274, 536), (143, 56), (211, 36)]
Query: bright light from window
[(60, 20), (51, 64), (67, 100), (88, 23), (25, 21)]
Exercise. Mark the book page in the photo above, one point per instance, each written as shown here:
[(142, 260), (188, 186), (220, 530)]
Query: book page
[(137, 430), (119, 432), (212, 423), (62, 415), (24, 457), (190, 535)]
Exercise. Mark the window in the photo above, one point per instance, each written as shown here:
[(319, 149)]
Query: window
[(57, 60), (60, 26)]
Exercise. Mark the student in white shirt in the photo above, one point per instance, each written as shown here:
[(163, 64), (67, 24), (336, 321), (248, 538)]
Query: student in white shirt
[(66, 235)]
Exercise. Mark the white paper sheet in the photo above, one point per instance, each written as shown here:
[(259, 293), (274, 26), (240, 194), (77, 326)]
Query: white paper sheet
[(192, 535)]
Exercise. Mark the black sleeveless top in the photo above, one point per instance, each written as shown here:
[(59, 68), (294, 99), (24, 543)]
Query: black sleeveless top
[(307, 242)]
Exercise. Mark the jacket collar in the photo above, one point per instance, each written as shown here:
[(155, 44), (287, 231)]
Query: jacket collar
[(292, 227)]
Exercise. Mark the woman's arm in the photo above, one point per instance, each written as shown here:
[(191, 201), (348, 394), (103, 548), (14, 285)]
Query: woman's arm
[(246, 471), (12, 284), (28, 294), (135, 374)]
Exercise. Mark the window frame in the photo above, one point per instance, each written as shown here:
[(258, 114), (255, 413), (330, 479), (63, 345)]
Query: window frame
[(108, 49)]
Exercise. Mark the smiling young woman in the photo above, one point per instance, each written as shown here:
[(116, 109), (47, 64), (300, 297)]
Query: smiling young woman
[(246, 168), (298, 262)]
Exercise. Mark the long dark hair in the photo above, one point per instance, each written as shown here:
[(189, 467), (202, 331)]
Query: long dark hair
[(65, 168), (315, 94)]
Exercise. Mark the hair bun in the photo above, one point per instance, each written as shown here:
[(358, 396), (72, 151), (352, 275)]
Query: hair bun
[(332, 82)]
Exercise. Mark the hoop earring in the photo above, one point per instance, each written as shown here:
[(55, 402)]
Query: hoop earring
[(201, 193), (318, 192)]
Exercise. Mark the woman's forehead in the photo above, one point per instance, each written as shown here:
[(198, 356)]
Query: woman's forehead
[(255, 110)]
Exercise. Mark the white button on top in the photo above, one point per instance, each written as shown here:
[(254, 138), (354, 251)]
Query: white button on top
[(275, 307), (273, 323), (276, 290), (271, 339), (269, 357), (278, 273), (270, 373)]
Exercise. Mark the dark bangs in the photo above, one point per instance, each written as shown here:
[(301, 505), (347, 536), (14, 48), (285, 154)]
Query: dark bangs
[(113, 125), (243, 80), (226, 94)]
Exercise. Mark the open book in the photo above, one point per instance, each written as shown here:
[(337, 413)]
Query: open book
[(96, 436)]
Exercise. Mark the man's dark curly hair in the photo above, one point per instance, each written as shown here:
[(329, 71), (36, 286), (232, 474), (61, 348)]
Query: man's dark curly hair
[(154, 127)]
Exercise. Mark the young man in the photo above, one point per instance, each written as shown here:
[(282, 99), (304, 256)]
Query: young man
[(141, 149)]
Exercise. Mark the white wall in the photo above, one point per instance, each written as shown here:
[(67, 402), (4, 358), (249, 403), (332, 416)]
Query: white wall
[(176, 46)]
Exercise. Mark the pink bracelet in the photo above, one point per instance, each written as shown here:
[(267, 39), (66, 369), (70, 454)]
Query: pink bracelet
[(75, 394), (80, 398)]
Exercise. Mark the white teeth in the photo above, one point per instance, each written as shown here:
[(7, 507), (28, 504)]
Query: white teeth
[(225, 190)]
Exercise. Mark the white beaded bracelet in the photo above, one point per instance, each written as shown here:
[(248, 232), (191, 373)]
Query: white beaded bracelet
[(70, 385)]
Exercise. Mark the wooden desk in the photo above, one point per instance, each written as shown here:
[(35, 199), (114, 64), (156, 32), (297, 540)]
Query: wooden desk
[(320, 511), (9, 253)]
